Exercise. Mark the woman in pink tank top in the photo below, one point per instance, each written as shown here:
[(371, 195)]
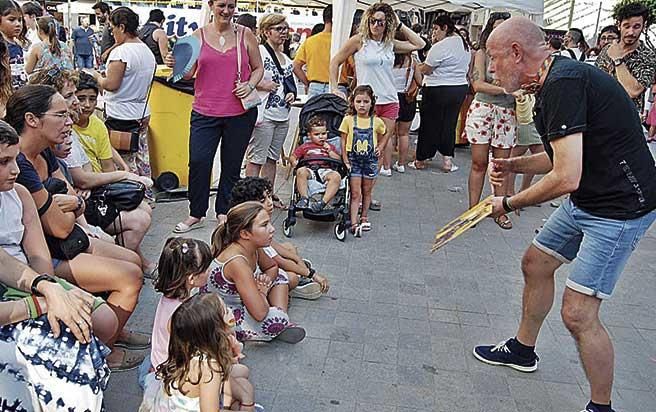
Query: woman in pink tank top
[(218, 113)]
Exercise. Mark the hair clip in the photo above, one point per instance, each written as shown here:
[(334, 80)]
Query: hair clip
[(185, 248)]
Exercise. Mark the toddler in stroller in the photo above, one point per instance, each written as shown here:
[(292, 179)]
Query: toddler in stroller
[(318, 171)]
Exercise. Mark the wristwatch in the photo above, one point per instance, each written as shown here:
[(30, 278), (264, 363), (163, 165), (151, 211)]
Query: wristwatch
[(38, 279), (618, 62)]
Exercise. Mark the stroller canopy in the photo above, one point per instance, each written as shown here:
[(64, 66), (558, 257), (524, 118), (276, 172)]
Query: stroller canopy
[(330, 107)]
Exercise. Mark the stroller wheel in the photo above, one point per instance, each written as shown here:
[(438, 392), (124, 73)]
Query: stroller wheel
[(287, 228), (340, 232)]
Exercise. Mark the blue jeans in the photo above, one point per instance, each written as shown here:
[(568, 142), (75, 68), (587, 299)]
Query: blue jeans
[(320, 88), (84, 61), (599, 247)]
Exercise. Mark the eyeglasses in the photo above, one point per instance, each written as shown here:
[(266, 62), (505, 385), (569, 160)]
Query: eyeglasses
[(61, 115), (280, 29), (377, 22), (498, 15), (608, 38)]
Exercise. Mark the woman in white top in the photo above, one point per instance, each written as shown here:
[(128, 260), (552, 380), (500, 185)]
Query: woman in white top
[(445, 86), (273, 120), (130, 69), (373, 49)]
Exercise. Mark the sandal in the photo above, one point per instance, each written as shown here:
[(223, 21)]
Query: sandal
[(182, 227), (134, 341), (451, 169), (308, 263), (129, 361), (356, 230), (415, 166), (364, 224), (277, 203), (504, 224)]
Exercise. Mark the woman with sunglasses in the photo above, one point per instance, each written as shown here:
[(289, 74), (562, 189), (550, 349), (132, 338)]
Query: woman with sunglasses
[(273, 117), (491, 121), (41, 117), (373, 49)]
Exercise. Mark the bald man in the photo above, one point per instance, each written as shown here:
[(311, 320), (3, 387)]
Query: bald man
[(596, 153)]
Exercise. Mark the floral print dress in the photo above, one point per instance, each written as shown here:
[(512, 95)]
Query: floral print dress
[(246, 327)]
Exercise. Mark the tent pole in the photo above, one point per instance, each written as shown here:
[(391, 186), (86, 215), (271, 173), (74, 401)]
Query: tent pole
[(597, 25), (571, 13)]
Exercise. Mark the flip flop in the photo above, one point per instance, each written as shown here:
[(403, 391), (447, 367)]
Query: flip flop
[(503, 224), (134, 341), (413, 165), (182, 227)]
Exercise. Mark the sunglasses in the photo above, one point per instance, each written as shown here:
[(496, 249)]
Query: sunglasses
[(377, 22), (498, 15), (280, 29)]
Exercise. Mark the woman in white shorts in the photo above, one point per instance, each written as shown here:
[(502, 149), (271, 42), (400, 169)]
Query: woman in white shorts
[(490, 122), (273, 120)]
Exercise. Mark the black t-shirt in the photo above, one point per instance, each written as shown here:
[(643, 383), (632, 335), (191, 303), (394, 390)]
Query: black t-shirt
[(618, 179), (28, 175)]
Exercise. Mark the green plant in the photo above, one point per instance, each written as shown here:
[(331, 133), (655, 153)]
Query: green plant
[(650, 4)]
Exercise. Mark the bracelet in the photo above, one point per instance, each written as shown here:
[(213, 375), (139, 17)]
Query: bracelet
[(505, 202), (250, 86), (31, 309), (39, 311), (38, 279)]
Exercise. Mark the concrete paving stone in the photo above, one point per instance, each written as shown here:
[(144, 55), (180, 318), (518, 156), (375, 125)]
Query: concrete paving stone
[(441, 330), (333, 405), (453, 360), (380, 372), (410, 396), (414, 341), (635, 400), (487, 384), (490, 403), (380, 353), (293, 402), (368, 407), (346, 351), (474, 319)]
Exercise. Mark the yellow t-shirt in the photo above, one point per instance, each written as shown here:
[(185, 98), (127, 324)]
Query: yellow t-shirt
[(314, 53), (362, 123), (95, 141)]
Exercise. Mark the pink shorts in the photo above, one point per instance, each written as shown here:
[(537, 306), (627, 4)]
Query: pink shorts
[(387, 110), (651, 118)]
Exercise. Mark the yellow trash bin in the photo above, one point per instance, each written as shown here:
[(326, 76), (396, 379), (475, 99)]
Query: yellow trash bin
[(170, 110)]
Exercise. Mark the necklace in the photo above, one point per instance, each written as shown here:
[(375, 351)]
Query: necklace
[(534, 85)]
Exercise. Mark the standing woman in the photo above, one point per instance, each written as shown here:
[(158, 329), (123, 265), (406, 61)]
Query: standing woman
[(373, 49), (217, 109), (491, 121), (407, 80), (269, 134), (445, 86), (50, 51), (130, 69)]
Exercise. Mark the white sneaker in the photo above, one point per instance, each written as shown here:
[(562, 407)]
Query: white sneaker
[(385, 172), (398, 167)]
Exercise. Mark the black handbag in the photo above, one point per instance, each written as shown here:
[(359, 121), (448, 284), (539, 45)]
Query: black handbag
[(288, 82), (124, 195), (66, 249)]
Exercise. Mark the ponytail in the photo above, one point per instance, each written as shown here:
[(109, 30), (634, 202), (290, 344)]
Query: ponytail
[(219, 239), (47, 25), (239, 218)]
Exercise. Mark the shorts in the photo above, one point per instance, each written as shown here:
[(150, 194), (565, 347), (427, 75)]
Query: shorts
[(387, 110), (365, 167), (527, 135), (599, 247), (321, 173), (317, 186), (407, 111), (491, 124), (651, 117), (266, 141)]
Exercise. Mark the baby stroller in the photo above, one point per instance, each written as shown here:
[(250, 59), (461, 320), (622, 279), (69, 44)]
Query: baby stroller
[(332, 108)]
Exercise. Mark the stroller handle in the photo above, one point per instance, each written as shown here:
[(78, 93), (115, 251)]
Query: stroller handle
[(336, 164)]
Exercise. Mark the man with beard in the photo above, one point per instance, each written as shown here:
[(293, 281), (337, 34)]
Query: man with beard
[(102, 11), (629, 60), (596, 153)]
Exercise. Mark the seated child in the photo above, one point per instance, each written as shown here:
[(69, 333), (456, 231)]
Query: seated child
[(318, 146), (198, 373), (304, 281)]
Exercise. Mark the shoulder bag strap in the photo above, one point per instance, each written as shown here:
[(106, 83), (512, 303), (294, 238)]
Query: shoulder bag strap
[(238, 45), (150, 88), (274, 56)]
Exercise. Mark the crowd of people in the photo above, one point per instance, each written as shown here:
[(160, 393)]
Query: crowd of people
[(80, 207)]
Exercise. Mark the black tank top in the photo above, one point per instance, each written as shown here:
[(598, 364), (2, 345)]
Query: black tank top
[(146, 36)]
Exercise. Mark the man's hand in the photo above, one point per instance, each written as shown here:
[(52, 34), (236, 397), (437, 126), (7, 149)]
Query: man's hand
[(339, 93), (73, 307), (497, 207), (498, 170), (169, 60), (615, 51)]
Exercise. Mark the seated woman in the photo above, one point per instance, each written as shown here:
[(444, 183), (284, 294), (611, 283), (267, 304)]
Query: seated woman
[(35, 348), (128, 226), (40, 116), (247, 279)]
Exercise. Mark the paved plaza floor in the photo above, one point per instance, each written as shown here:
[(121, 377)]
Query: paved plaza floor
[(396, 331)]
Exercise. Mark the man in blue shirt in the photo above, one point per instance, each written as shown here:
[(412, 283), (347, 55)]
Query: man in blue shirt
[(83, 47)]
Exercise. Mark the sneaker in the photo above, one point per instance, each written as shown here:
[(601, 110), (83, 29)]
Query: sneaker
[(308, 263), (303, 203), (318, 206), (592, 408), (398, 167), (306, 289), (385, 172), (293, 334), (501, 355)]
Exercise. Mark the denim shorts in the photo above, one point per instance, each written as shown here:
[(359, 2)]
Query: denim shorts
[(599, 247), (365, 167)]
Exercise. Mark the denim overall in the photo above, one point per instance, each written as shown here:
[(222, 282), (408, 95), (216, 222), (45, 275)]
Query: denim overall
[(364, 162)]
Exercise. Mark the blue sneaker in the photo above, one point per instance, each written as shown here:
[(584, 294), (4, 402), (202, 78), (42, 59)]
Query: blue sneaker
[(501, 355), (592, 408)]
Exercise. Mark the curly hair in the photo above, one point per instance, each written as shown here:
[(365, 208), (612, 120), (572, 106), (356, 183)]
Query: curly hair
[(390, 22), (315, 121), (631, 8), (250, 189), (198, 334), (55, 77)]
